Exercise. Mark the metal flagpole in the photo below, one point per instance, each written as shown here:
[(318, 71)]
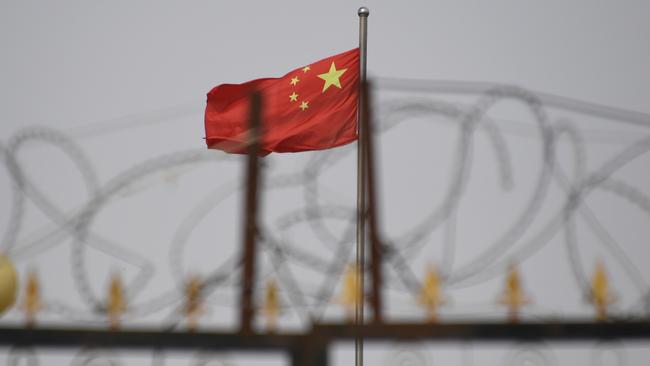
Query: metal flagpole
[(361, 182)]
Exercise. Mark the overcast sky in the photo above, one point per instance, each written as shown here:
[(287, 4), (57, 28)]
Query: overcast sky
[(95, 69)]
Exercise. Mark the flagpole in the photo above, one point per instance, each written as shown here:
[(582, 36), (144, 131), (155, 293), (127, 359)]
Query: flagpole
[(361, 182)]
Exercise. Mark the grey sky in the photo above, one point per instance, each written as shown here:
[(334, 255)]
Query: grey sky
[(85, 67)]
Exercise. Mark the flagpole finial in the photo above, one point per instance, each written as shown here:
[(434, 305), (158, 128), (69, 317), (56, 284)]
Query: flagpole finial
[(363, 11)]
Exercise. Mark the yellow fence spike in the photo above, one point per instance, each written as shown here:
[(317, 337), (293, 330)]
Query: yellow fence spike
[(271, 307), (116, 302), (513, 295), (351, 293), (32, 302), (601, 295), (430, 296), (193, 308)]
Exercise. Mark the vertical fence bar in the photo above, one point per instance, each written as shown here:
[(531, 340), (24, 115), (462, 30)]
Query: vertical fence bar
[(375, 240), (247, 309)]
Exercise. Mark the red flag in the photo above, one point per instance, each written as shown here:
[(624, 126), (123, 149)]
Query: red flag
[(313, 107)]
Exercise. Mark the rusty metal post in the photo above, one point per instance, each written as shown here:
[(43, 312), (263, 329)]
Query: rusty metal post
[(375, 241), (310, 352), (250, 216)]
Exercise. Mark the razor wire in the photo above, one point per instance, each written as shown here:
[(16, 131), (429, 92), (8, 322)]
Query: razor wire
[(307, 299)]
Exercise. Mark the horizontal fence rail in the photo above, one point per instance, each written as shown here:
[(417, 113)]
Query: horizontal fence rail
[(312, 347)]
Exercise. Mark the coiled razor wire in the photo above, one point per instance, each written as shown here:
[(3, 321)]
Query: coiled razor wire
[(309, 301)]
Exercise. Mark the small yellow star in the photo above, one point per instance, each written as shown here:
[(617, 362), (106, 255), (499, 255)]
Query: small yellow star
[(293, 97), (306, 68), (294, 81), (332, 77), (304, 105)]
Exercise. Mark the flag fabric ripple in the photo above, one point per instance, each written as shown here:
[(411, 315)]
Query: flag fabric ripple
[(313, 107)]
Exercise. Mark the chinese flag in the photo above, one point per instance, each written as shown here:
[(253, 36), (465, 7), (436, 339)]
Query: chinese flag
[(313, 107)]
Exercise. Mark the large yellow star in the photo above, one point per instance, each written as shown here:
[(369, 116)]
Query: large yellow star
[(332, 77)]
